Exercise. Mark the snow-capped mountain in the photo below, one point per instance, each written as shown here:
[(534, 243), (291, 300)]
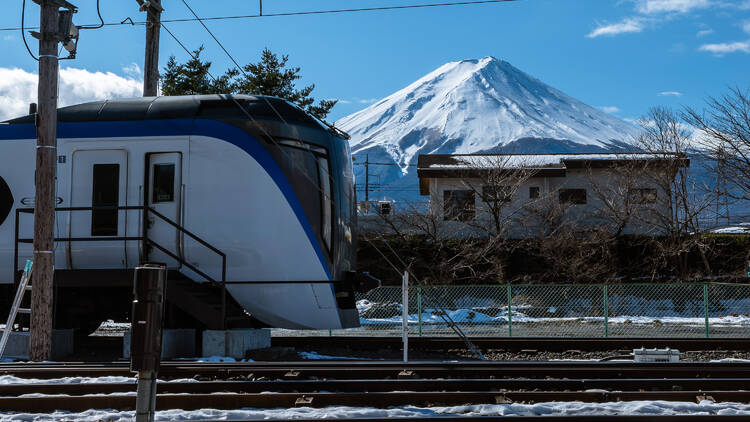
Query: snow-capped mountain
[(469, 106)]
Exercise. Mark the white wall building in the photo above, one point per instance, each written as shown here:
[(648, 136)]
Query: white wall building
[(522, 195)]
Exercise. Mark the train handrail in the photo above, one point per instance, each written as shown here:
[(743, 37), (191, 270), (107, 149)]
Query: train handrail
[(142, 238)]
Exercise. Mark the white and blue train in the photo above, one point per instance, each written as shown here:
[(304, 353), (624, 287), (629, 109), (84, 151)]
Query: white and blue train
[(249, 192)]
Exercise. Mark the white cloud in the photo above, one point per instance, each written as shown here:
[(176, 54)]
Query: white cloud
[(133, 70), (724, 48), (18, 88), (648, 7), (610, 109), (670, 94), (704, 32), (746, 26), (627, 25), (367, 101), (9, 37)]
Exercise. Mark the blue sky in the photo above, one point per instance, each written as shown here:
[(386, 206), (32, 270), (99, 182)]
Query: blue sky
[(623, 56)]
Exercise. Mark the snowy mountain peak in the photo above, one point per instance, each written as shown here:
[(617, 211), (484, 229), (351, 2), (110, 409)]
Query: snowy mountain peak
[(478, 105)]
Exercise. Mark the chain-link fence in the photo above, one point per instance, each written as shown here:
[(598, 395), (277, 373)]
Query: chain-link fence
[(543, 310)]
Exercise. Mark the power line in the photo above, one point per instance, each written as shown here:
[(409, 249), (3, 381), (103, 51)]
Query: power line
[(128, 21), (23, 32)]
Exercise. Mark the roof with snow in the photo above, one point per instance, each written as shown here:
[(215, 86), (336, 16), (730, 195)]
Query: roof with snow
[(542, 165)]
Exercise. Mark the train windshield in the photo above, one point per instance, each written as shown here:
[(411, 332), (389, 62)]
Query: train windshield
[(308, 169)]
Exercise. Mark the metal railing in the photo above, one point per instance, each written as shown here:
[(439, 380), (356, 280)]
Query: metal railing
[(143, 238), (689, 310)]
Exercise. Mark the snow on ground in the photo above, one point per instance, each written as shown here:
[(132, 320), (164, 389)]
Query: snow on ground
[(339, 412), (11, 380), (638, 312), (742, 228), (318, 356)]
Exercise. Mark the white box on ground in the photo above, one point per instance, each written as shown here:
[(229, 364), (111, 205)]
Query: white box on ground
[(175, 343), (18, 344), (234, 343), (643, 355)]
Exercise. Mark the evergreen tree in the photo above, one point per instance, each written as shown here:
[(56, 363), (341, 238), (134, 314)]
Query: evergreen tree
[(191, 77), (270, 76)]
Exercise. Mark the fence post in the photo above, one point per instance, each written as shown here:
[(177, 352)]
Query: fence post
[(606, 311), (705, 307), (419, 310), (405, 314), (510, 311)]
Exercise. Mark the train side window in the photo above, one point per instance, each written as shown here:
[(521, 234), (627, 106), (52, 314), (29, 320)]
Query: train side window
[(106, 192), (6, 201), (163, 183), (326, 200)]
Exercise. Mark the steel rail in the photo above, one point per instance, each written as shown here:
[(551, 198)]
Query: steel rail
[(393, 370), (386, 385), (45, 404)]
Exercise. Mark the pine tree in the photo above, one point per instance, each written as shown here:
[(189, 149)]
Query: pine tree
[(270, 76), (191, 77)]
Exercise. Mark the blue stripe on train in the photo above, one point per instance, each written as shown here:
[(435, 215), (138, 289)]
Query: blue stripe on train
[(182, 127)]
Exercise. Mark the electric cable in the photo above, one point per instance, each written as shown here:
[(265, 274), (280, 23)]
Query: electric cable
[(303, 13), (23, 31), (101, 20)]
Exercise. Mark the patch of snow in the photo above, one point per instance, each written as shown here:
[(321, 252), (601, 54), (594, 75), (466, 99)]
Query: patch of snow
[(742, 228), (214, 359), (318, 356), (704, 407)]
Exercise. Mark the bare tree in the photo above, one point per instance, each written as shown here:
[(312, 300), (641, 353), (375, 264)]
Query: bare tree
[(725, 128), (681, 200)]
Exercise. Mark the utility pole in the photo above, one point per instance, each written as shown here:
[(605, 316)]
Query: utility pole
[(44, 204), (153, 10), (367, 180)]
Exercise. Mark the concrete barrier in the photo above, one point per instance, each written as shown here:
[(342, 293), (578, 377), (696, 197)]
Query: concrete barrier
[(175, 343), (18, 344), (234, 343)]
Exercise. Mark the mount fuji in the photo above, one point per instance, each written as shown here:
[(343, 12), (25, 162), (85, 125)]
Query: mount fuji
[(473, 106)]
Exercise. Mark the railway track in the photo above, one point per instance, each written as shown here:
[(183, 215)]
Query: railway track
[(353, 370), (380, 385), (549, 344)]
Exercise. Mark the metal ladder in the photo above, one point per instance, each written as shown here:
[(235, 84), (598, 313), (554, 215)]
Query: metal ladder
[(23, 286)]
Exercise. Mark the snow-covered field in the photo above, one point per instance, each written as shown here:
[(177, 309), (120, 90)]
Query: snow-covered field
[(339, 412)]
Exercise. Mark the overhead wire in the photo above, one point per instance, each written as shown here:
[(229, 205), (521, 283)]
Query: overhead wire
[(101, 20), (302, 13), (23, 31)]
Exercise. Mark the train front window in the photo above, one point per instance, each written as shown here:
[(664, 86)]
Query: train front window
[(6, 201), (308, 170), (325, 192)]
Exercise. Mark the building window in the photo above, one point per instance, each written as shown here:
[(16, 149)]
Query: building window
[(643, 196), (163, 183), (6, 201), (497, 193), (106, 191), (534, 192), (458, 205), (572, 196)]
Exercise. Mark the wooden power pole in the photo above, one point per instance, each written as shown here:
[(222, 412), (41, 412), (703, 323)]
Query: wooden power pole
[(153, 10), (44, 205)]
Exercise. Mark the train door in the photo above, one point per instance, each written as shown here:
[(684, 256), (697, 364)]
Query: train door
[(99, 180), (164, 196)]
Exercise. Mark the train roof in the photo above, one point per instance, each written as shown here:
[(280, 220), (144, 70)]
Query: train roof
[(216, 106)]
